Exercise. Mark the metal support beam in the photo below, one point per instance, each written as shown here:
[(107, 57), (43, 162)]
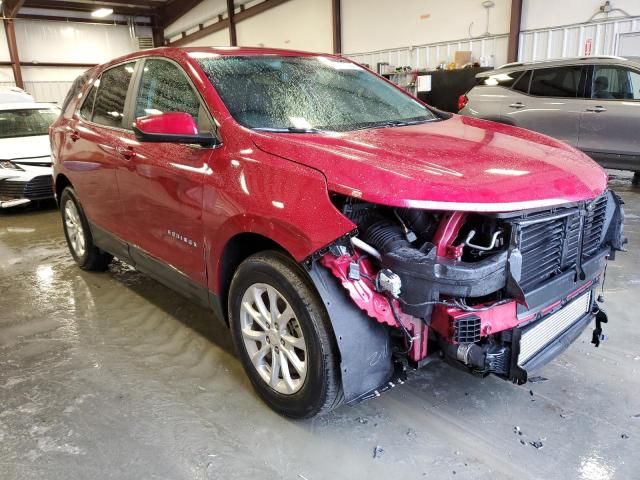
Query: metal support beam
[(208, 30), (11, 8), (57, 18), (88, 7), (51, 64), (231, 11), (514, 31), (337, 25), (220, 25), (157, 31), (10, 31), (174, 9)]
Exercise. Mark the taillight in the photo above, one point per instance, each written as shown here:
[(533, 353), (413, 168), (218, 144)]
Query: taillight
[(462, 102)]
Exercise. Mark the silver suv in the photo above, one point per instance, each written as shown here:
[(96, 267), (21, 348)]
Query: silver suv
[(592, 103)]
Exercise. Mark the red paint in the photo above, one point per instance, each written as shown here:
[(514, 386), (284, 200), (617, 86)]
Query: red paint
[(375, 304), (494, 320), (362, 291), (277, 185), (172, 123), (446, 235)]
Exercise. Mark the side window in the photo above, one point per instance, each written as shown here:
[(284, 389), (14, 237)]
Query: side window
[(86, 111), (556, 82), (111, 95), (501, 79), (165, 88), (615, 83), (522, 84), (75, 88)]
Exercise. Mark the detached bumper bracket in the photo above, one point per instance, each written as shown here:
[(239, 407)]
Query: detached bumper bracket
[(598, 336)]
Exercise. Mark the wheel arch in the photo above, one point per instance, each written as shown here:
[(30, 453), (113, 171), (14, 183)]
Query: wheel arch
[(61, 182), (237, 249)]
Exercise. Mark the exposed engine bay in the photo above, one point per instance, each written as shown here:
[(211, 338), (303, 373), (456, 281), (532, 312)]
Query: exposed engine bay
[(476, 288)]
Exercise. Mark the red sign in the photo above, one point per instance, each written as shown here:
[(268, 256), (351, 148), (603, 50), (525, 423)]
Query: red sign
[(587, 47)]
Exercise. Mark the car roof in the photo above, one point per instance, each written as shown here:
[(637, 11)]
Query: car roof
[(26, 106), (560, 62), (204, 52), (236, 51)]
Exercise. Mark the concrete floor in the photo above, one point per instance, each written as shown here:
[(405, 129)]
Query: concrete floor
[(114, 376)]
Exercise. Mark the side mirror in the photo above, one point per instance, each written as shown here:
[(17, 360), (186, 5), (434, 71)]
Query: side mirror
[(172, 127)]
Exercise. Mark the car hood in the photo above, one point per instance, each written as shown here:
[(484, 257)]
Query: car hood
[(461, 164), (34, 147)]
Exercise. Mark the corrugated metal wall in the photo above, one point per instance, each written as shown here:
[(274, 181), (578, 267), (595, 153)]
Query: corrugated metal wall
[(593, 38), (494, 48)]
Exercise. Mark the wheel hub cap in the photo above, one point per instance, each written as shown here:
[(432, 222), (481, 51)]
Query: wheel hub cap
[(273, 338), (73, 225)]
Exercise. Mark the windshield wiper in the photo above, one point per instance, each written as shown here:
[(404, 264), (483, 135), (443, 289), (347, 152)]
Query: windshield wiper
[(395, 123), (289, 130)]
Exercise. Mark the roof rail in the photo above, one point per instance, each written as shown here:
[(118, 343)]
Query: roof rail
[(551, 60), (512, 64), (609, 57)]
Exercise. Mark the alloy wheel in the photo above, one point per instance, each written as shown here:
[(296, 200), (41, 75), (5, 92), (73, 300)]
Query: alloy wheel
[(75, 231), (273, 338)]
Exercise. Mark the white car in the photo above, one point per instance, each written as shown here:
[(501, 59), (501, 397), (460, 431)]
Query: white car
[(14, 94), (25, 155)]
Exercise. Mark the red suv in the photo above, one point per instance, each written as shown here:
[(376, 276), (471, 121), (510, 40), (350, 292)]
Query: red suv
[(341, 228)]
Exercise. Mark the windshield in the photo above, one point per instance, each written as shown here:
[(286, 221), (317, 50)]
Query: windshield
[(308, 93), (26, 122)]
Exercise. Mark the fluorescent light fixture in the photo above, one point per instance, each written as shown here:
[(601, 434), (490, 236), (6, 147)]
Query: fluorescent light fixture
[(102, 12)]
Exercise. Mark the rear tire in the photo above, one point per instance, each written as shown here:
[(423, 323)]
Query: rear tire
[(78, 234), (277, 318)]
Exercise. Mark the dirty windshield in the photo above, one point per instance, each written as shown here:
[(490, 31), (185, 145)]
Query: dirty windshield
[(306, 94)]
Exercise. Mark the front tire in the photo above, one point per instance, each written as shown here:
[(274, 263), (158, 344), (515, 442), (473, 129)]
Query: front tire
[(78, 234), (283, 336)]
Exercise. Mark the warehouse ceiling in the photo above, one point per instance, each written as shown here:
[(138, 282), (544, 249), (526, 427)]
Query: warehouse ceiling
[(156, 12)]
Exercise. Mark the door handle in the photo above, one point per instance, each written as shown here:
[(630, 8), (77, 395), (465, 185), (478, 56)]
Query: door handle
[(517, 105), (126, 152), (74, 135), (597, 109)]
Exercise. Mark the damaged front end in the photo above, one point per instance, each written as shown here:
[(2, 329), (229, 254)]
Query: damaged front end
[(500, 293)]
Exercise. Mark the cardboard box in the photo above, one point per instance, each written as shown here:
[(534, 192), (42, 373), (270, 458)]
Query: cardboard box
[(461, 58)]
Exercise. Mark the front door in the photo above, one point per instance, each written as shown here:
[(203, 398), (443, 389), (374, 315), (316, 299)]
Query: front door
[(610, 118), (162, 186)]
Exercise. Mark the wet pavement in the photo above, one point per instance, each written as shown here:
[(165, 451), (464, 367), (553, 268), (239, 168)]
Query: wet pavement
[(113, 376)]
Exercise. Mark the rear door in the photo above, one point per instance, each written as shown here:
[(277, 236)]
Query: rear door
[(488, 98), (550, 103), (610, 117), (94, 151), (162, 186)]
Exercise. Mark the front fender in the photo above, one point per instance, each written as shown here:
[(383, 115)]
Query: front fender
[(259, 193)]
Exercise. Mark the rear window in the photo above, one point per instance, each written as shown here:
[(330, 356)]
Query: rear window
[(499, 79), (556, 82)]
